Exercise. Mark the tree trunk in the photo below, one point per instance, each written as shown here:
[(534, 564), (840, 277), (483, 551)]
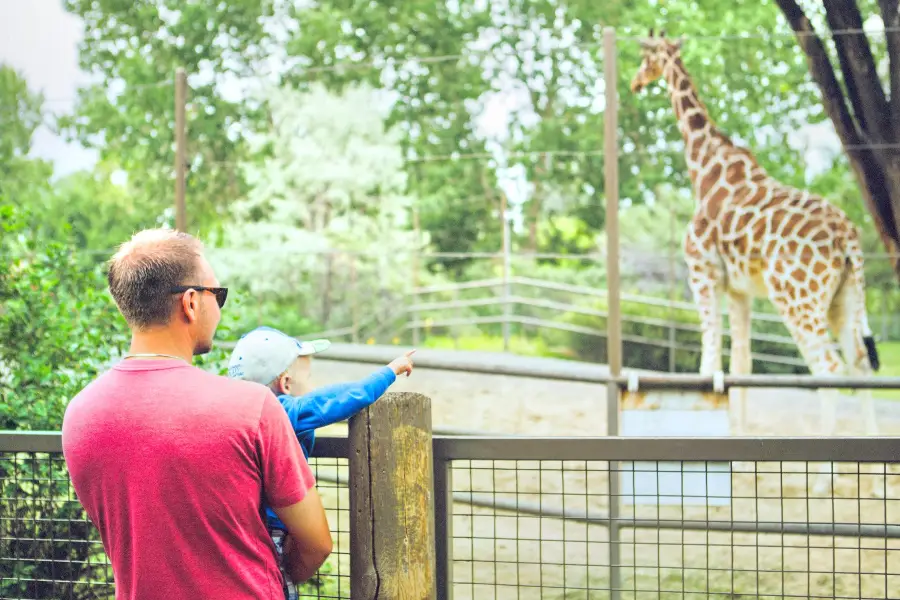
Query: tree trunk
[(870, 134)]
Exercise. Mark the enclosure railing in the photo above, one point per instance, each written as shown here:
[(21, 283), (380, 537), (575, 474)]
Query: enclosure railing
[(518, 301), (531, 517), (498, 294), (708, 518)]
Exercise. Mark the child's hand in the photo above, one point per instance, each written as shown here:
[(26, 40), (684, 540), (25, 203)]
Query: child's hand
[(401, 365)]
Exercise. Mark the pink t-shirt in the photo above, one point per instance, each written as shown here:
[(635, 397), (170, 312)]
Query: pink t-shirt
[(172, 464)]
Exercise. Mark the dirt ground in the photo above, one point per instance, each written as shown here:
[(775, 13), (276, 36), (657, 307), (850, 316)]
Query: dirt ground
[(501, 554)]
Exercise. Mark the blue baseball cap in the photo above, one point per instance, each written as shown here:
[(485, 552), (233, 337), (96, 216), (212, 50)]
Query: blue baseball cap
[(265, 353)]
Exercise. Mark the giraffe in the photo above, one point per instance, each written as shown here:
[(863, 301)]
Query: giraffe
[(752, 236)]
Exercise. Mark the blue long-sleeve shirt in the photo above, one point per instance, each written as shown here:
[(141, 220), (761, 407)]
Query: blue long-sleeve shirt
[(327, 405)]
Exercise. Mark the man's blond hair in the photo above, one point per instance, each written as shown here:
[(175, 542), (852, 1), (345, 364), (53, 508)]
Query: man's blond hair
[(144, 270)]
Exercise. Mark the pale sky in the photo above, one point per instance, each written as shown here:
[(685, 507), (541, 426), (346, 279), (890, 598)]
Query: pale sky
[(40, 40)]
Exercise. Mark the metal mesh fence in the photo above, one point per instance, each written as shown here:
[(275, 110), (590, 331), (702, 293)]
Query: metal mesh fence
[(541, 529), (333, 580), (49, 549), (532, 518)]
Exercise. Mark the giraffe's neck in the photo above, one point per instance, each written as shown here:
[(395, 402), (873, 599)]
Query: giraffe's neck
[(702, 141)]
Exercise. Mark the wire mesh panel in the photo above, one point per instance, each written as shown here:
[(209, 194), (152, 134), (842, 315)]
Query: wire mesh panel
[(333, 579), (49, 549), (541, 529)]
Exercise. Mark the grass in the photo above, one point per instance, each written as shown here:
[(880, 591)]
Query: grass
[(521, 345)]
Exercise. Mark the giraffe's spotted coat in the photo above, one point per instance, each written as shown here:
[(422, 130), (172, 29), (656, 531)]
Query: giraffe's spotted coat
[(753, 236)]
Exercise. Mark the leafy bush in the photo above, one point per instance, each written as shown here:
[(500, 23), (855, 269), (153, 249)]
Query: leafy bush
[(58, 324), (59, 329)]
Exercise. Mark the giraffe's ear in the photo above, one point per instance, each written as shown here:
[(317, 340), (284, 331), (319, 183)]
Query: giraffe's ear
[(677, 43)]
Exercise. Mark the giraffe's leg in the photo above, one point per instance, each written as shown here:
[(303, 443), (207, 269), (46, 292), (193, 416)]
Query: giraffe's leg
[(706, 287), (850, 326), (741, 363), (806, 317)]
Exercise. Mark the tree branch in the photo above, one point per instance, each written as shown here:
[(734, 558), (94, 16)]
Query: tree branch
[(858, 66), (822, 72), (874, 186), (890, 15)]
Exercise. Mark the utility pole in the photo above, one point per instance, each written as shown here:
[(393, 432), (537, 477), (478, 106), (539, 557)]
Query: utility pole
[(180, 149)]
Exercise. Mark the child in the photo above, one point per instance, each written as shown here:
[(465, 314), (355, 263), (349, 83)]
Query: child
[(283, 364)]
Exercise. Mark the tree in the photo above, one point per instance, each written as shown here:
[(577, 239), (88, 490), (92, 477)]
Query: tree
[(864, 109), (129, 115), (550, 52), (58, 325), (417, 50), (58, 328), (442, 64), (327, 212), (21, 113), (91, 213)]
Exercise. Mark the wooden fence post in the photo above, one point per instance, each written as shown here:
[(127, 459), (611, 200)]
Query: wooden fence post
[(392, 554)]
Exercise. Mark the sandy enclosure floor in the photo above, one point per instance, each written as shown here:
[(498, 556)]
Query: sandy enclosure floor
[(505, 554)]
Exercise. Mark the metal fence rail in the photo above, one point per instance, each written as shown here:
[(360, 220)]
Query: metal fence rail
[(529, 517), (705, 517), (495, 363)]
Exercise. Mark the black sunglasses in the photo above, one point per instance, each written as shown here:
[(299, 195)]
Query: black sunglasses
[(220, 292)]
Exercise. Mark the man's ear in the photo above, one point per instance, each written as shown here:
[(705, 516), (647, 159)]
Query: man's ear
[(190, 308)]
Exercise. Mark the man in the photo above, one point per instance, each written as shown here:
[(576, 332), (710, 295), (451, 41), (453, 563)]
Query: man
[(173, 464)]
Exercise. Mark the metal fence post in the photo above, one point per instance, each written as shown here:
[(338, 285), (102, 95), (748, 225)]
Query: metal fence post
[(614, 316), (415, 278), (354, 299), (391, 500), (504, 208), (443, 529)]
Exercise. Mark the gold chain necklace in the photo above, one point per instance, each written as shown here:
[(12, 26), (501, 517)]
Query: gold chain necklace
[(149, 354)]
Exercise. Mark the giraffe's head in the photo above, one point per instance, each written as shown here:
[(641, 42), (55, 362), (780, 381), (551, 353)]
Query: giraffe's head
[(655, 52)]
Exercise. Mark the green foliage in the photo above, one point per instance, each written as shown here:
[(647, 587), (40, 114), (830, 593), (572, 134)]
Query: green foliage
[(327, 212), (58, 329), (129, 116), (91, 213), (58, 325), (21, 114), (470, 56), (433, 100)]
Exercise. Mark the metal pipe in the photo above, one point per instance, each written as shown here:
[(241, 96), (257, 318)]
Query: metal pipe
[(507, 266), (868, 449), (613, 306), (701, 383), (485, 500), (599, 518), (443, 529), (492, 363), (460, 444)]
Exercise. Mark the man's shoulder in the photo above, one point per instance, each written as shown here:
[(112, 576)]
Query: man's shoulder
[(235, 387)]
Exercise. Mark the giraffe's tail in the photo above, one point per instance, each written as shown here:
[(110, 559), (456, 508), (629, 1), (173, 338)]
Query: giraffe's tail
[(858, 317)]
